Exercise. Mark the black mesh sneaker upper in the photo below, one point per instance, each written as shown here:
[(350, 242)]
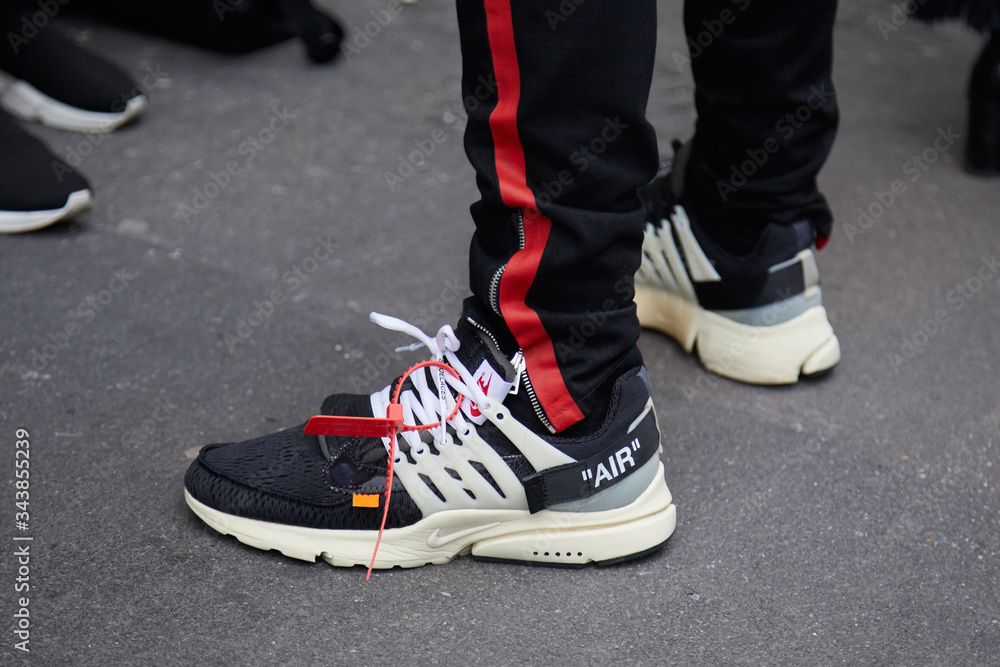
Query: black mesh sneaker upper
[(59, 68), (286, 478), (32, 178)]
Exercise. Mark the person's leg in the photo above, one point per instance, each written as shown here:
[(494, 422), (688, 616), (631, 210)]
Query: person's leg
[(546, 344), (558, 137), (727, 266), (982, 148), (767, 115)]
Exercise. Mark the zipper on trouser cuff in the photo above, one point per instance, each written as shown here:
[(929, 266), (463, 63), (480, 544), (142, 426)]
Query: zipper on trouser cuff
[(486, 331), (494, 295), (539, 412), (494, 298)]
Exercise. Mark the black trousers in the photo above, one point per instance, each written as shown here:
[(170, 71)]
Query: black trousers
[(556, 94)]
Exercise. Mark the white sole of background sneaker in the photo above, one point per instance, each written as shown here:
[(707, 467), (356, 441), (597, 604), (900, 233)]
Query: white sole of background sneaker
[(13, 222), (778, 354), (546, 537), (26, 102)]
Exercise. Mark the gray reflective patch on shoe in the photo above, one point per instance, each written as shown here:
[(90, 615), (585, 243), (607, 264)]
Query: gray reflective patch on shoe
[(775, 313), (614, 497), (810, 272), (644, 376)]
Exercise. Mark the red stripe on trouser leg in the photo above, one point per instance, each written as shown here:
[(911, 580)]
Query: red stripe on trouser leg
[(523, 322)]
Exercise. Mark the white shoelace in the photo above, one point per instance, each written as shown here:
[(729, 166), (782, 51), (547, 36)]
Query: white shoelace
[(427, 403)]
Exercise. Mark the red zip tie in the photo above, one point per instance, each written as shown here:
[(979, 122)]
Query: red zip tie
[(381, 427)]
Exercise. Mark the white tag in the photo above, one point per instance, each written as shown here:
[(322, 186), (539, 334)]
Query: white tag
[(490, 383)]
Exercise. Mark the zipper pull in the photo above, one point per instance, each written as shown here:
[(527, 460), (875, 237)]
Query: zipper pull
[(518, 362)]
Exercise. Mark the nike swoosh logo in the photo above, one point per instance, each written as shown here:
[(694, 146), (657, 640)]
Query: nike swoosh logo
[(436, 540)]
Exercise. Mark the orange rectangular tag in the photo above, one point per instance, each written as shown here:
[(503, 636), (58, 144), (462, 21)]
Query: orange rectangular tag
[(366, 499)]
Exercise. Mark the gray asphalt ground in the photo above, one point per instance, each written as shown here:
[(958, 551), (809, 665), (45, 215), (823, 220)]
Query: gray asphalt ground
[(851, 520)]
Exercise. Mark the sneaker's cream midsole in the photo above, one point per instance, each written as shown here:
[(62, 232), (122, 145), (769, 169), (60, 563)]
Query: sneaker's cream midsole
[(564, 538), (775, 354)]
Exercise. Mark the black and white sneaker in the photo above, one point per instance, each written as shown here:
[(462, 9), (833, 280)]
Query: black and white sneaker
[(757, 318), (486, 483), (36, 188), (49, 79)]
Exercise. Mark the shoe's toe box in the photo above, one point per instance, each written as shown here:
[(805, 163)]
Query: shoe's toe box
[(285, 478)]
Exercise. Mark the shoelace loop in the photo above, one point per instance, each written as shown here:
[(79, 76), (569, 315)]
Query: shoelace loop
[(413, 404)]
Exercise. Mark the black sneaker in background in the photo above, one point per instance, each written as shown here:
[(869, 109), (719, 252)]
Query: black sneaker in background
[(50, 79), (757, 316), (36, 188), (491, 482)]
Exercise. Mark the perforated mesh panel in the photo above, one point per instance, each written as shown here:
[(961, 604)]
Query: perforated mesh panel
[(284, 478)]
